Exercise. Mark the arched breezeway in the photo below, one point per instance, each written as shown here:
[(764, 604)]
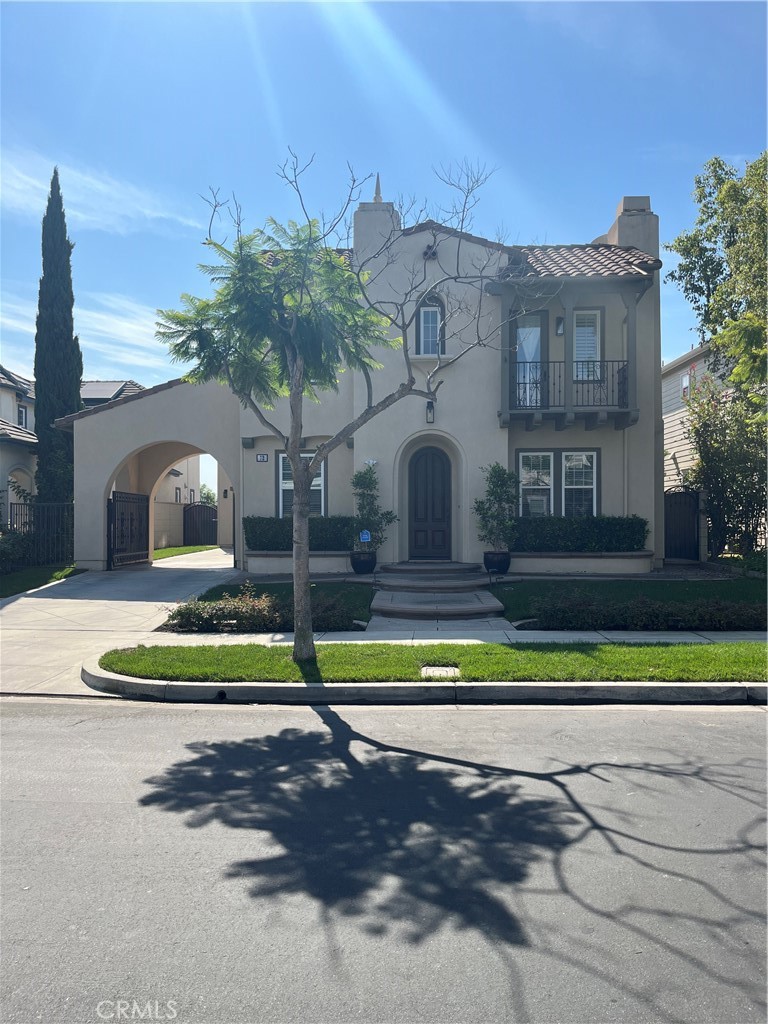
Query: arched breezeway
[(130, 445)]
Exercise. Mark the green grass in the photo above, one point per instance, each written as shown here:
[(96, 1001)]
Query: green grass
[(190, 550), (477, 662), (354, 597), (30, 579), (518, 597)]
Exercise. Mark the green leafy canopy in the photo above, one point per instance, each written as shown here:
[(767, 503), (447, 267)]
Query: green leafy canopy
[(280, 295)]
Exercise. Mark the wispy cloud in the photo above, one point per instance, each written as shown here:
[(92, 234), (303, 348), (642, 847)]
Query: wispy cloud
[(117, 338), (93, 200)]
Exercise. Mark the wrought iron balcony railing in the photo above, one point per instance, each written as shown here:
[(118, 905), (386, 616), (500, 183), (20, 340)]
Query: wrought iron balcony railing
[(593, 384)]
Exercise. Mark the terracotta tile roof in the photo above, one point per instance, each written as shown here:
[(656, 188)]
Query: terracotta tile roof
[(595, 260), (17, 382), (12, 432)]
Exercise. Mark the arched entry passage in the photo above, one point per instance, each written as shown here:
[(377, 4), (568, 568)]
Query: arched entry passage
[(429, 504)]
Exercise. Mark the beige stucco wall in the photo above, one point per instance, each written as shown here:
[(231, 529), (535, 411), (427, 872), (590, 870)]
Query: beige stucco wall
[(169, 524), (136, 442)]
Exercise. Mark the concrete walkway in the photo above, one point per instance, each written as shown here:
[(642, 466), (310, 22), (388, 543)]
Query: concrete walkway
[(49, 634)]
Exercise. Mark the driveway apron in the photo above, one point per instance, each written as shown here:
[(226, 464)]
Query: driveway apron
[(48, 633)]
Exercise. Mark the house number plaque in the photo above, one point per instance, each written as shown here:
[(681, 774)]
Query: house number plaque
[(261, 457)]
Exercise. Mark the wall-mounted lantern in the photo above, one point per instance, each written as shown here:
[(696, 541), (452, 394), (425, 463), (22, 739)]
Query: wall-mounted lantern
[(430, 412)]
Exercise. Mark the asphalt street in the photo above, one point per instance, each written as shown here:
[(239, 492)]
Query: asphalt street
[(238, 864)]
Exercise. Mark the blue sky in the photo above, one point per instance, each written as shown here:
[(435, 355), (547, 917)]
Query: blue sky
[(143, 106)]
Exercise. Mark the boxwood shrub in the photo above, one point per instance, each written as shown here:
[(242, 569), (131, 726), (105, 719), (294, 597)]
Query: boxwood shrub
[(581, 610), (250, 612), (326, 533), (584, 534)]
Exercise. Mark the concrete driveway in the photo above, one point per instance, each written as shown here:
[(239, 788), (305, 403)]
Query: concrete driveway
[(48, 633)]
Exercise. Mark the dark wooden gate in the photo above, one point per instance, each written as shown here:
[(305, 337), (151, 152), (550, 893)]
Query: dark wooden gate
[(201, 524), (681, 523), (127, 529), (429, 504)]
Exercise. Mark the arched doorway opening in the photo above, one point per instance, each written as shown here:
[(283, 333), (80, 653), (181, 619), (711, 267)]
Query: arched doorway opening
[(429, 504)]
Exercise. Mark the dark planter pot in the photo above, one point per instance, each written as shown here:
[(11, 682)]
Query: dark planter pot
[(363, 562), (496, 562)]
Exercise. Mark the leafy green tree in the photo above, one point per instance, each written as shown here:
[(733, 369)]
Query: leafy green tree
[(722, 269), (58, 361), (369, 515), (207, 495), (730, 446), (285, 317)]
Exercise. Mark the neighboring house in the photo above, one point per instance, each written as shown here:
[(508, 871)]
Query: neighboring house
[(18, 444), (568, 396), (677, 378), (18, 441)]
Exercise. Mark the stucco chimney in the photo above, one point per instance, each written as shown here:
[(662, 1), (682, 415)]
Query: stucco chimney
[(373, 225), (636, 224)]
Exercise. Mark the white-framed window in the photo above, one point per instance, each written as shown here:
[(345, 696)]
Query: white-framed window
[(178, 495), (192, 495), (579, 484), (535, 483), (285, 489), (21, 415), (430, 328), (685, 384), (586, 344)]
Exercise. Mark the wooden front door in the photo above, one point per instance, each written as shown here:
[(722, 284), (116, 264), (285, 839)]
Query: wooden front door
[(429, 504)]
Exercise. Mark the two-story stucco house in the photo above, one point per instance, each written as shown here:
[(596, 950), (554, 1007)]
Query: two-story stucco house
[(567, 395)]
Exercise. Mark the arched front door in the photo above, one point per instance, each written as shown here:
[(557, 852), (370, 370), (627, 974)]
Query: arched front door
[(429, 504)]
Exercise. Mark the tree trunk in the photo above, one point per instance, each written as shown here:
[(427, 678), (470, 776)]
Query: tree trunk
[(303, 643)]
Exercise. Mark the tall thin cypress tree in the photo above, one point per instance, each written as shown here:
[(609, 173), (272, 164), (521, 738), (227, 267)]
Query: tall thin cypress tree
[(58, 360)]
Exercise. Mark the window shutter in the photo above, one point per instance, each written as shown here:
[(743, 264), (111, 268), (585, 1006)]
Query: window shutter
[(585, 340)]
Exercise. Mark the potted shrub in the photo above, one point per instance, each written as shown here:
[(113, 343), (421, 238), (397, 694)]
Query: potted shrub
[(371, 521), (497, 515)]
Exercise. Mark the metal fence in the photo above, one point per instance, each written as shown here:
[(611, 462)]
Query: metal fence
[(48, 529)]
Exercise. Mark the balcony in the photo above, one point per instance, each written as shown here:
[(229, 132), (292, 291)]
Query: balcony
[(594, 391)]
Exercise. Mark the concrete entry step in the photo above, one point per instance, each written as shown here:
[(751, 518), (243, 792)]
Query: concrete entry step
[(430, 568), (439, 584), (430, 605)]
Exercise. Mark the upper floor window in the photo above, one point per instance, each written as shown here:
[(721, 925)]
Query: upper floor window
[(685, 384), (178, 495), (586, 344), (285, 489), (191, 495), (21, 415), (430, 328)]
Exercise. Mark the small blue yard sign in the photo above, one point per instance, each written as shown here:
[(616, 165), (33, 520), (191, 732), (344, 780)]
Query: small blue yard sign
[(365, 536)]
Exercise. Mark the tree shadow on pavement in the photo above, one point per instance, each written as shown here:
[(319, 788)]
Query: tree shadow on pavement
[(407, 842)]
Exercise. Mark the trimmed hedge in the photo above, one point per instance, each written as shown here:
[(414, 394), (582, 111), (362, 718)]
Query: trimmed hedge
[(589, 533), (581, 610), (249, 612), (326, 533)]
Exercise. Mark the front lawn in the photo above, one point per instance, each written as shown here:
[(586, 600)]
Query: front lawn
[(361, 662), (33, 578)]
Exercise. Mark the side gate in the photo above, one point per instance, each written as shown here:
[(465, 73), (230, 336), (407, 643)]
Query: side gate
[(201, 524), (127, 529), (681, 524)]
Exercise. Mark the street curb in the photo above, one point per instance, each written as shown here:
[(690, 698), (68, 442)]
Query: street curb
[(423, 692)]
